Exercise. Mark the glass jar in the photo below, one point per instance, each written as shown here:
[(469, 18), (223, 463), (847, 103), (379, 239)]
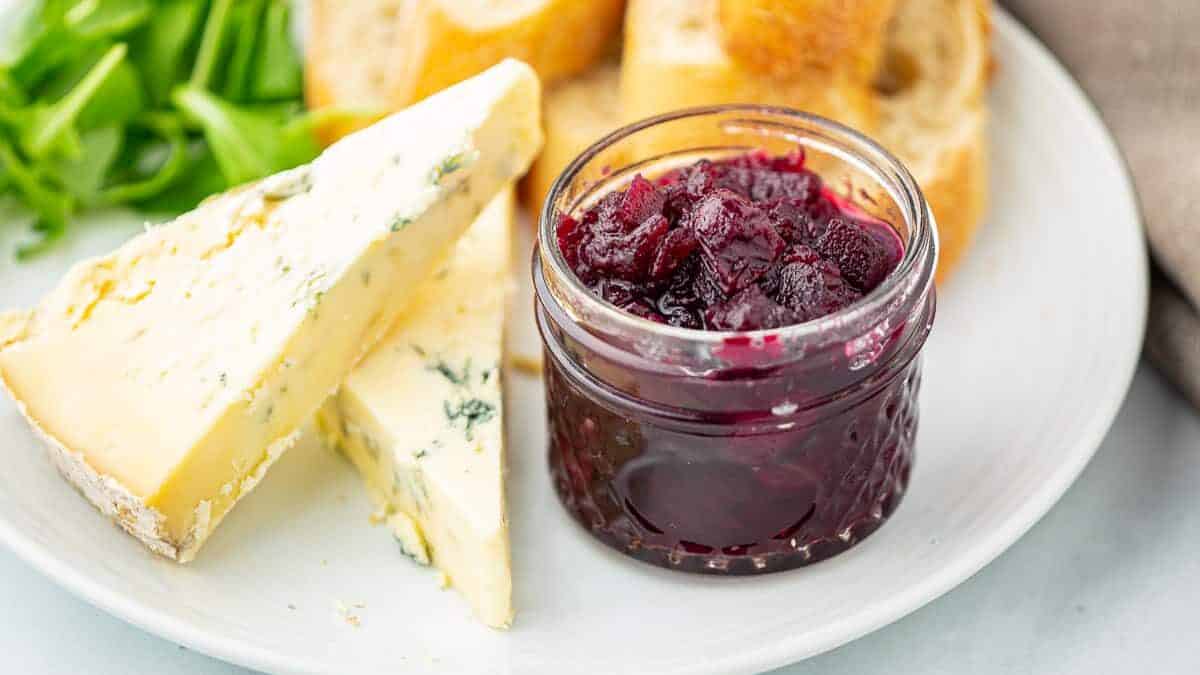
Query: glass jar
[(735, 453)]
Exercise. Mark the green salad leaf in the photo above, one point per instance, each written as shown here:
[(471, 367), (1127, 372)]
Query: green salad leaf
[(98, 19), (277, 74), (246, 143), (211, 41), (201, 177), (155, 159), (83, 176), (160, 49), (52, 207), (245, 25), (154, 104), (52, 126), (118, 99)]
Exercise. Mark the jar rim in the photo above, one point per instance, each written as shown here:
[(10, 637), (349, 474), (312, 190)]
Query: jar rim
[(914, 272)]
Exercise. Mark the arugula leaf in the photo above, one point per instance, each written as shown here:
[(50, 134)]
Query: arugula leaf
[(48, 202), (39, 41), (210, 44), (52, 126), (148, 178), (245, 24), (11, 93), (24, 27), (158, 48), (53, 207), (84, 175), (118, 100), (201, 178), (246, 144), (277, 72), (67, 75), (46, 233), (318, 122), (154, 103), (98, 19)]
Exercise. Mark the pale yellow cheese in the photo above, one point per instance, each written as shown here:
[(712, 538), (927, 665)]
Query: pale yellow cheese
[(167, 376), (422, 419)]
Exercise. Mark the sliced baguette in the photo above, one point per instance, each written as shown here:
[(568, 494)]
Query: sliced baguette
[(783, 37), (674, 58), (577, 113), (933, 113), (927, 104), (386, 54)]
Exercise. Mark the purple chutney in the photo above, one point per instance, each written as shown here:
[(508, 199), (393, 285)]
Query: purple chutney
[(744, 468), (741, 244)]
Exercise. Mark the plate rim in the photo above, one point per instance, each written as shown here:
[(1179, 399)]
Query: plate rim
[(782, 652)]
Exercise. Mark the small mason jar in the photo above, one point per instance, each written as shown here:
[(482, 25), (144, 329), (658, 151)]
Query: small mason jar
[(735, 453)]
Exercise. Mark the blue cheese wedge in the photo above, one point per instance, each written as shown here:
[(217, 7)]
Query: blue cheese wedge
[(422, 419), (168, 376)]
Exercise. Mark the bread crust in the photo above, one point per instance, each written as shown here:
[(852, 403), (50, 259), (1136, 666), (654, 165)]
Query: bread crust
[(957, 192), (387, 54), (912, 73), (576, 114), (674, 57), (925, 101), (783, 37), (933, 112)]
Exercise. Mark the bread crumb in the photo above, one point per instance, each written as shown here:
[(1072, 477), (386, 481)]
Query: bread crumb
[(530, 365), (348, 616)]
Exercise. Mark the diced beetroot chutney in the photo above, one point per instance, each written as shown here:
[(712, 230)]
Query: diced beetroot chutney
[(746, 243)]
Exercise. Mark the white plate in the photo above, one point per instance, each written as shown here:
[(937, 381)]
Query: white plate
[(1032, 353)]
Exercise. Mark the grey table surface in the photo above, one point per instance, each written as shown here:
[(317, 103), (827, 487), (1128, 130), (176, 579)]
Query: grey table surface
[(1107, 582)]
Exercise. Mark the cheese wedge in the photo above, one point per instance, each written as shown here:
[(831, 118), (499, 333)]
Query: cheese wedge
[(169, 375), (422, 419)]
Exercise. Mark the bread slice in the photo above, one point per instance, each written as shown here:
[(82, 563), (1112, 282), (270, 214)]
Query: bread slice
[(927, 103), (933, 111), (576, 114), (782, 37), (386, 54), (675, 57)]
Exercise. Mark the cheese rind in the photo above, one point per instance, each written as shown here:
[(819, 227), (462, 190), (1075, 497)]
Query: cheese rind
[(422, 419), (169, 375)]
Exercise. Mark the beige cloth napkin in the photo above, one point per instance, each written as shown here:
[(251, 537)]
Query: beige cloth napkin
[(1140, 62)]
